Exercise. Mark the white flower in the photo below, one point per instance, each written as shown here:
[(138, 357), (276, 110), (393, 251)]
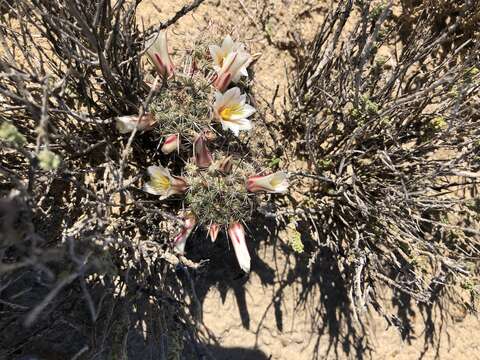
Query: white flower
[(232, 111), (163, 184), (273, 183), (232, 69), (220, 53), (157, 50)]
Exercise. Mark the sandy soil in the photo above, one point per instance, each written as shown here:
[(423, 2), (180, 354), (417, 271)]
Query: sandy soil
[(258, 318), (251, 321)]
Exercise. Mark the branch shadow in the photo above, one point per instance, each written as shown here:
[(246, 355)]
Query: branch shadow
[(140, 324), (236, 353), (143, 320), (337, 330), (323, 290)]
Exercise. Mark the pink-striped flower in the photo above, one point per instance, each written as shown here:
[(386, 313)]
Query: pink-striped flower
[(220, 53), (273, 183), (171, 143), (157, 50), (181, 239), (231, 69), (236, 232), (163, 184), (126, 124), (213, 231), (203, 157)]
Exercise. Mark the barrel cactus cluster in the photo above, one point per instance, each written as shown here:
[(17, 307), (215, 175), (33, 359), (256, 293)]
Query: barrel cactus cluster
[(201, 111)]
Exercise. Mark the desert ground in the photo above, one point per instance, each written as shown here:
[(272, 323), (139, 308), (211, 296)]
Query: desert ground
[(287, 307), (259, 317)]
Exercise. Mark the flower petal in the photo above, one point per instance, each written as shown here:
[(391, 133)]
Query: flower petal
[(149, 189), (243, 112), (157, 171), (231, 96), (231, 67), (127, 123), (216, 54), (237, 77), (237, 236), (236, 125), (244, 71), (171, 143), (181, 239), (213, 231), (228, 44), (160, 182), (157, 50), (243, 99), (273, 183)]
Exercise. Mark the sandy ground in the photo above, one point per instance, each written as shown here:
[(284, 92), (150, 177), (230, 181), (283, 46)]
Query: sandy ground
[(258, 318), (250, 321)]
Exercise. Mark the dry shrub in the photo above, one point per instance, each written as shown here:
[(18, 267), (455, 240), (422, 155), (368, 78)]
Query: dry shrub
[(390, 133), (439, 15), (88, 244), (84, 262)]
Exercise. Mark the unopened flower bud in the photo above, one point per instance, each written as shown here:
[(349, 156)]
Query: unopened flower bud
[(126, 124), (225, 166), (157, 50), (236, 232), (213, 231), (171, 143), (203, 157), (273, 183), (181, 239)]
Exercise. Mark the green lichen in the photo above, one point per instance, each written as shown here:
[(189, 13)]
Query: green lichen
[(355, 113), (274, 162), (296, 241), (325, 164), (439, 123), (376, 11), (294, 236), (473, 71), (381, 60), (48, 160), (9, 132), (370, 106)]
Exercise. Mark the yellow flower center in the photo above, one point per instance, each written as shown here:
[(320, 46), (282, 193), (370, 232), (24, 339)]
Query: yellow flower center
[(227, 112), (161, 183), (220, 59), (275, 181), (221, 56)]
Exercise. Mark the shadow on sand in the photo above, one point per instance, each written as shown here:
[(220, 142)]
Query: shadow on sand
[(322, 289)]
